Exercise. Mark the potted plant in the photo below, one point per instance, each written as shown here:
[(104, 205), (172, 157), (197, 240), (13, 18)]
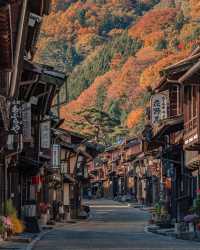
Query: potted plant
[(157, 211), (11, 221), (43, 207), (198, 230), (193, 217), (2, 229)]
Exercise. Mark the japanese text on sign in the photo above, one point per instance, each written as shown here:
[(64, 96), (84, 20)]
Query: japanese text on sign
[(16, 118), (158, 108)]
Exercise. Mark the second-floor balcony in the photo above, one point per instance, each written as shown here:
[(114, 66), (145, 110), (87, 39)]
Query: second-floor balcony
[(191, 134), (191, 117), (168, 126)]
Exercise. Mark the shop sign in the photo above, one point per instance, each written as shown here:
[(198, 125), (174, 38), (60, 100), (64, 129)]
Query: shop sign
[(45, 134), (55, 155), (159, 108), (10, 142), (33, 18), (16, 118), (80, 165), (26, 118), (63, 168)]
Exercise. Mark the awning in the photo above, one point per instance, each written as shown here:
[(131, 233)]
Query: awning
[(40, 7), (29, 166), (190, 73), (169, 126), (32, 67), (68, 179)]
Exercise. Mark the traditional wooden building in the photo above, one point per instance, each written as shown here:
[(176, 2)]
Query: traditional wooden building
[(113, 171), (173, 132), (76, 152), (19, 28), (40, 85), (132, 148)]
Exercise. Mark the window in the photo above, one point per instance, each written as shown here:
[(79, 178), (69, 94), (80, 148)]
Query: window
[(174, 101), (190, 100)]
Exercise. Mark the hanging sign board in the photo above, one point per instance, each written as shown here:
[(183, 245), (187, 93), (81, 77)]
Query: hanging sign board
[(64, 167), (159, 108), (16, 118), (33, 18), (26, 118), (45, 134), (55, 155)]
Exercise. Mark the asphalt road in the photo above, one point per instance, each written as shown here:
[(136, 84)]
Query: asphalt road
[(111, 226)]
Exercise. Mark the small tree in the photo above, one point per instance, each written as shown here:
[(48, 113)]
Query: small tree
[(180, 21), (98, 124), (162, 44)]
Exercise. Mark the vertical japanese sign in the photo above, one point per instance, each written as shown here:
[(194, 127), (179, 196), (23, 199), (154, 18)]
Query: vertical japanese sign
[(159, 108), (63, 167), (45, 134), (16, 118), (26, 118), (55, 155)]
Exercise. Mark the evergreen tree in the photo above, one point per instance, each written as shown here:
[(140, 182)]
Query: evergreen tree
[(101, 95), (115, 110), (98, 125), (180, 21), (84, 74)]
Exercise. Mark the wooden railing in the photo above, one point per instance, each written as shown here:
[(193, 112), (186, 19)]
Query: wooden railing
[(190, 125)]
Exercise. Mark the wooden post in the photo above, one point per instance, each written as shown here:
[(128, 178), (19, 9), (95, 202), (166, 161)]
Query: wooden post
[(13, 85), (5, 183)]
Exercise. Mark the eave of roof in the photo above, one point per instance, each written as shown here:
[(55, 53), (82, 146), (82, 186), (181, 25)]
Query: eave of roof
[(170, 125), (193, 70), (186, 68), (40, 7)]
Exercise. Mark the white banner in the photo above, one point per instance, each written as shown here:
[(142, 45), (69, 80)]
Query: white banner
[(55, 155), (45, 135), (159, 108)]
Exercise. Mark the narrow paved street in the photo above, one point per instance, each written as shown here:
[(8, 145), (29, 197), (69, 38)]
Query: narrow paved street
[(112, 226)]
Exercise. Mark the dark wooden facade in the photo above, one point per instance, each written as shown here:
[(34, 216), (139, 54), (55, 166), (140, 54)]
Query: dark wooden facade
[(17, 41), (177, 136)]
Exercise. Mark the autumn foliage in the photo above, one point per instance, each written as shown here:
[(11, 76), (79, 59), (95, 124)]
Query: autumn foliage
[(154, 20), (166, 30), (151, 76), (134, 116)]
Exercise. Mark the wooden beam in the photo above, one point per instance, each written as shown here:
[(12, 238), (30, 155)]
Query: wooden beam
[(190, 72), (18, 49)]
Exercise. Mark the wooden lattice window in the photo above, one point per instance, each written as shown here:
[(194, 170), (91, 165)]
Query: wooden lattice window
[(174, 101)]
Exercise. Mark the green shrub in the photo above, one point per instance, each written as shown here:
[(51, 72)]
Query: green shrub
[(9, 208)]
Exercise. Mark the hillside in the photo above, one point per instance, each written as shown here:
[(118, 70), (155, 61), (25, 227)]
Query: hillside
[(112, 52)]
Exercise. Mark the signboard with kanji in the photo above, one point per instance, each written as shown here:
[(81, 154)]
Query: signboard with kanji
[(55, 155), (159, 108), (16, 118), (45, 135)]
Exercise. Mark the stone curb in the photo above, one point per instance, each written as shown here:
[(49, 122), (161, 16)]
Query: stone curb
[(38, 238), (42, 234), (146, 230), (169, 237)]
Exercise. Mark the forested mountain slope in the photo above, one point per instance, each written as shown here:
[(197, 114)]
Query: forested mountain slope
[(112, 52)]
